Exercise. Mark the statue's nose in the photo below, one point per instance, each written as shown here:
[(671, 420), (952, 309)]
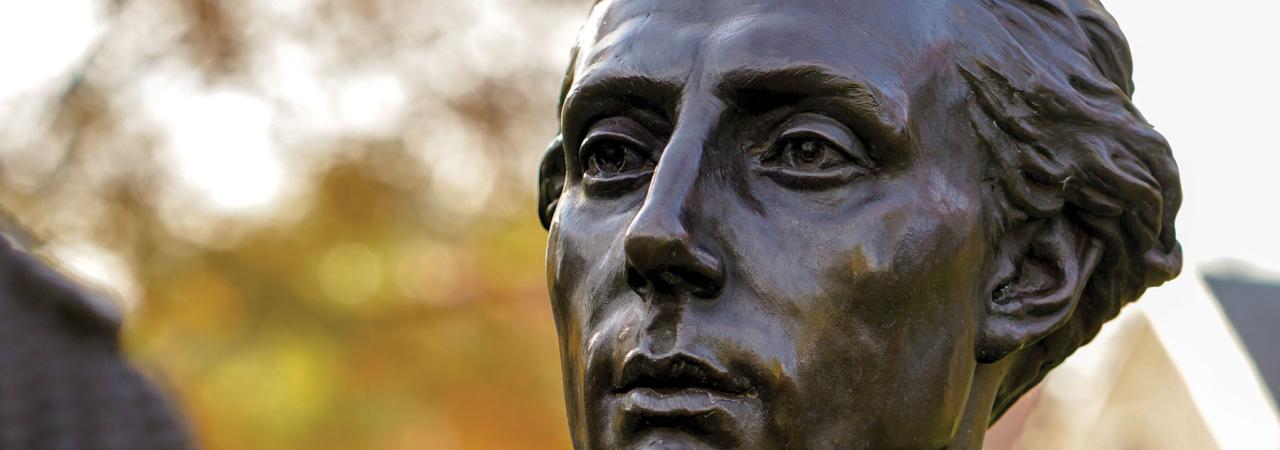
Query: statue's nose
[(662, 254)]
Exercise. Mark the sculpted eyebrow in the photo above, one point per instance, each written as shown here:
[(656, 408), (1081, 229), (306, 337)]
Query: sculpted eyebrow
[(758, 91), (619, 91), (804, 81), (647, 97)]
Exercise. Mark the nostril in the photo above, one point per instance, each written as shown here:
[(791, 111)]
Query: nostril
[(662, 257), (668, 265), (701, 284), (636, 280)]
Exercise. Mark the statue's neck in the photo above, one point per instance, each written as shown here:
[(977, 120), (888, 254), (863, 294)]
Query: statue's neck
[(973, 426)]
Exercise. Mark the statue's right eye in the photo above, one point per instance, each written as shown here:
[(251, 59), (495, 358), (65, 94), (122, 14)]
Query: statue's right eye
[(617, 154), (609, 157)]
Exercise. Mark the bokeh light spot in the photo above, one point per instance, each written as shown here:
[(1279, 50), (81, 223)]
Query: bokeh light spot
[(350, 274), (219, 142)]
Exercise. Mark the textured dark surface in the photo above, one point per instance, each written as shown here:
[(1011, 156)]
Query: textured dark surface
[(64, 383)]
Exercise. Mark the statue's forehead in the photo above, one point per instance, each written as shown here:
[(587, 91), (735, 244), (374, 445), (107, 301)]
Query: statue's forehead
[(670, 38)]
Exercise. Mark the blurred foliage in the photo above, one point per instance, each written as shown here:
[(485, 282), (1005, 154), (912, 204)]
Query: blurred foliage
[(319, 215)]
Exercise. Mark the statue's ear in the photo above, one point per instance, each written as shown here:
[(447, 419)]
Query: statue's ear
[(550, 181), (1040, 270)]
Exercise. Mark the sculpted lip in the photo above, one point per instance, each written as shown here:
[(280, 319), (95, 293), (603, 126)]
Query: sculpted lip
[(679, 372), (681, 403), (686, 393)]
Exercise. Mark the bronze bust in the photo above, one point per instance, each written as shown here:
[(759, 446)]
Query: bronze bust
[(841, 224)]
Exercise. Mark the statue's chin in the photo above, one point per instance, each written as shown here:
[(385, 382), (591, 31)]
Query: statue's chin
[(669, 439)]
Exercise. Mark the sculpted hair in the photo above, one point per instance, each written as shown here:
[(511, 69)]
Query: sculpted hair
[(1051, 105)]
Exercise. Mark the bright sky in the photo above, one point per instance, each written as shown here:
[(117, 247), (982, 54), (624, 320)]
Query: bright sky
[(1205, 72), (41, 40)]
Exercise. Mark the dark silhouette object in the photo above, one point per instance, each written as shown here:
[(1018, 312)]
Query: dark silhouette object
[(63, 382), (841, 224), (1252, 304)]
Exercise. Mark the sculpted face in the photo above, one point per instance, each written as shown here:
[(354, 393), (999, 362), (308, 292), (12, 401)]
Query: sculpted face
[(771, 233), (817, 224)]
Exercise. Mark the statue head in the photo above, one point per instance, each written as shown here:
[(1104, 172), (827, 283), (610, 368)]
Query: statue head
[(841, 224)]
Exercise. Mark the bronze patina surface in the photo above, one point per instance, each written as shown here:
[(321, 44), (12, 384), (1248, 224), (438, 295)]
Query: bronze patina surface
[(841, 224)]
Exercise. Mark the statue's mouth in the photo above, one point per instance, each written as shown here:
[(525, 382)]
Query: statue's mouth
[(670, 375), (687, 394), (675, 402)]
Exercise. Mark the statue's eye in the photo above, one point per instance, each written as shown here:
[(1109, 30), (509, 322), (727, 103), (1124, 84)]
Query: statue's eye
[(807, 154), (617, 156), (609, 157), (814, 151)]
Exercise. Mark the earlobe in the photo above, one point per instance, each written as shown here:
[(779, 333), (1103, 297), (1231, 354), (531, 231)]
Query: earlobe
[(550, 181), (1039, 275)]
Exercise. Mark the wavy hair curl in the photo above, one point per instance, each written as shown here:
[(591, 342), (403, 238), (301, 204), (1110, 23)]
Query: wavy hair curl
[(1052, 107)]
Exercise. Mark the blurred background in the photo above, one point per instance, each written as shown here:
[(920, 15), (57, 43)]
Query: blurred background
[(318, 216)]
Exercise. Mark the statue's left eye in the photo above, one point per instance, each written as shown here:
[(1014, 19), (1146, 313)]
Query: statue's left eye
[(814, 151), (806, 154)]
